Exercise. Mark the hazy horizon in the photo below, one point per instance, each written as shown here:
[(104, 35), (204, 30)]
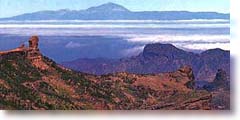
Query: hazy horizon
[(15, 7)]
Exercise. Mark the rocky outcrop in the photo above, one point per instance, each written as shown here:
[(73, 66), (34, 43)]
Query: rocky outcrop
[(31, 52), (21, 48), (220, 90), (34, 54), (221, 77), (221, 81), (33, 42), (202, 102)]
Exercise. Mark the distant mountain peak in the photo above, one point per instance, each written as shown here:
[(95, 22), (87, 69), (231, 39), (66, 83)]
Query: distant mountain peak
[(64, 10), (112, 11), (111, 3), (108, 7), (216, 51), (159, 49)]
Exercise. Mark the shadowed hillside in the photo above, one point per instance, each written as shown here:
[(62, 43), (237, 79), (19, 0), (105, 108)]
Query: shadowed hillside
[(158, 58)]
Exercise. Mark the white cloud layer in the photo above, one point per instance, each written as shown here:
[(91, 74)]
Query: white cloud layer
[(178, 38), (132, 51), (206, 46), (114, 26), (72, 44), (184, 33)]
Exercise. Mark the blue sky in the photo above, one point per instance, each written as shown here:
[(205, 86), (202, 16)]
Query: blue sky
[(15, 7)]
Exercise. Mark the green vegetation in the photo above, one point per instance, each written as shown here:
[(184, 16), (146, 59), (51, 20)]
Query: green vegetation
[(16, 69)]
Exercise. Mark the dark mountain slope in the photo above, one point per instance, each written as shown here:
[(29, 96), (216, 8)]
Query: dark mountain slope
[(158, 58)]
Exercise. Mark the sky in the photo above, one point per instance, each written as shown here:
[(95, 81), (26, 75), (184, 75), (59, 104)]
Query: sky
[(10, 8)]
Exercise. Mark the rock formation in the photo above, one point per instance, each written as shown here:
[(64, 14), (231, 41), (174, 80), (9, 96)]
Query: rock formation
[(33, 50), (32, 53), (21, 48), (33, 42), (221, 77)]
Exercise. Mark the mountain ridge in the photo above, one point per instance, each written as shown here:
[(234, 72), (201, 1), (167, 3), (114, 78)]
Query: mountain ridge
[(158, 58), (112, 11)]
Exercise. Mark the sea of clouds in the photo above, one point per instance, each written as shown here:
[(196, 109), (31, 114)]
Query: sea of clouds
[(188, 34)]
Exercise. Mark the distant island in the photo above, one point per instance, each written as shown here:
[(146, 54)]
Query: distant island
[(112, 11)]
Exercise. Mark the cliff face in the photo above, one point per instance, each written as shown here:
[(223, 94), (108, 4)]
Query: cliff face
[(158, 58), (28, 80)]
